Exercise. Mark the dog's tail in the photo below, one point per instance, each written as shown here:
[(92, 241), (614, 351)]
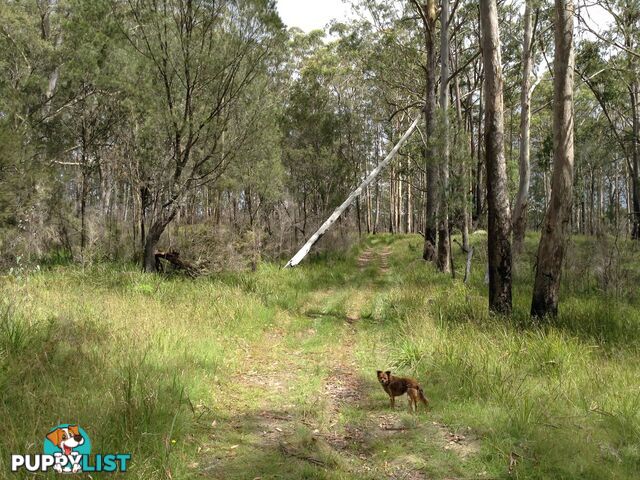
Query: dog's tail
[(423, 399)]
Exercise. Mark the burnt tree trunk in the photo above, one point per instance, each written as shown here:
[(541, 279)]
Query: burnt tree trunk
[(428, 14), (152, 239), (499, 219)]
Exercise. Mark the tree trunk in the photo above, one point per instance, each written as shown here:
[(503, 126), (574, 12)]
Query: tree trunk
[(463, 174), (399, 197), (358, 217), (83, 209), (144, 203), (635, 162), (369, 210), (153, 237), (392, 216), (554, 233), (444, 251), (376, 220), (150, 244), (478, 190), (430, 229), (409, 206), (520, 209), (45, 25), (499, 220)]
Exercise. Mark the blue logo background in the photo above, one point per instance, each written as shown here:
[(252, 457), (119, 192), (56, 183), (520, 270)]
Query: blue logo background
[(51, 449)]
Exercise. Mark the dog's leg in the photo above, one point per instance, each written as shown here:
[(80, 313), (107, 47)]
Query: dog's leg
[(413, 404), (393, 401), (422, 398)]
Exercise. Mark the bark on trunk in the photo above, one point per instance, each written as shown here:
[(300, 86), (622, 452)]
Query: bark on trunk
[(376, 221), (150, 245), (478, 190), (392, 216), (49, 8), (444, 251), (430, 230), (554, 233), (83, 210), (408, 205), (149, 263), (463, 171), (635, 162), (520, 208), (499, 219), (149, 252)]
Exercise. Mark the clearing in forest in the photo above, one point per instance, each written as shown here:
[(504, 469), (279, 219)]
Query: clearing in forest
[(271, 374), (317, 410)]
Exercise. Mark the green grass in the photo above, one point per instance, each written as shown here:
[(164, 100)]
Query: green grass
[(272, 374)]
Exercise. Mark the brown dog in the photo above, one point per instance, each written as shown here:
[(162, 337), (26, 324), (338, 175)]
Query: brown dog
[(397, 386)]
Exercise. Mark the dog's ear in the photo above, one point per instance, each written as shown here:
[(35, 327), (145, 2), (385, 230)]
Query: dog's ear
[(55, 436), (74, 429), (379, 372), (388, 372)]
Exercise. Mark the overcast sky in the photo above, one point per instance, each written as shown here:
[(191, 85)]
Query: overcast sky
[(311, 14)]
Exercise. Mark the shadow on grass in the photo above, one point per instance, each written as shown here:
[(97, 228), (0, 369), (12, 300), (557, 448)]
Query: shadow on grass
[(268, 444), (68, 373)]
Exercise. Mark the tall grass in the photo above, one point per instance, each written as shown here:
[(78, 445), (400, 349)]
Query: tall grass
[(147, 364), (135, 359), (562, 396)]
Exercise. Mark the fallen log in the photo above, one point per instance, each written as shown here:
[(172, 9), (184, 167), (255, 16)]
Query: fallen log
[(174, 259)]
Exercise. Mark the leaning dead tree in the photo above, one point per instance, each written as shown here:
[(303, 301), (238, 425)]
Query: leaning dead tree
[(297, 258)]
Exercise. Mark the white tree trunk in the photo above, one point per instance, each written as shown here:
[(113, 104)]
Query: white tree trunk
[(520, 209), (556, 224), (443, 255), (297, 258)]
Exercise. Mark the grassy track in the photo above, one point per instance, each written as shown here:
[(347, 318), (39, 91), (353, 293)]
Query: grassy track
[(272, 374)]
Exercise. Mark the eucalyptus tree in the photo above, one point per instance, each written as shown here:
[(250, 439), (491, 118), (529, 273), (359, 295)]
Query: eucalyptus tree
[(557, 220), (203, 57), (444, 240), (35, 103), (428, 15), (522, 198), (393, 54), (499, 244)]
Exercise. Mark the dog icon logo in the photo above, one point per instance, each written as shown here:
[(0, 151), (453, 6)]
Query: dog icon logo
[(68, 444), (67, 449)]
